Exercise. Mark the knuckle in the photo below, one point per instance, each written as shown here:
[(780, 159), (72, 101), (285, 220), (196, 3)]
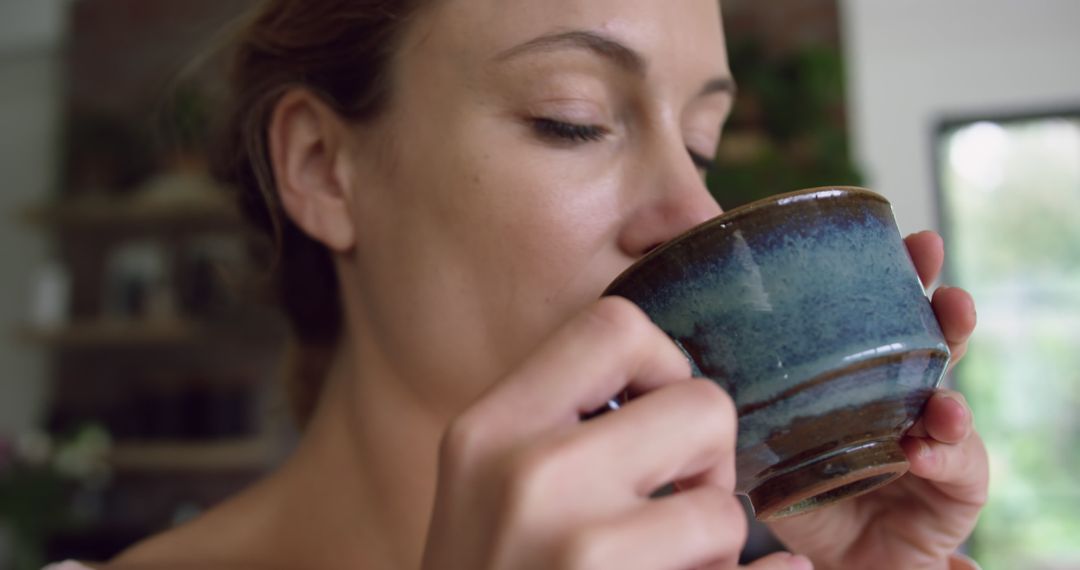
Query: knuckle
[(584, 548), (980, 498), (633, 333), (616, 315), (719, 514), (463, 440), (735, 522), (717, 406), (533, 472), (978, 462), (713, 519)]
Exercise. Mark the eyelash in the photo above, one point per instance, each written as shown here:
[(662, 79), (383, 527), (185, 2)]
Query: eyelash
[(568, 131), (704, 164), (572, 132)]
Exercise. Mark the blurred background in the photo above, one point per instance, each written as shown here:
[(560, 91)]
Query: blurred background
[(138, 371)]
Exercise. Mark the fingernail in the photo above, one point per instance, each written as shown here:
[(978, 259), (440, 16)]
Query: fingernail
[(925, 451), (800, 562), (954, 396), (959, 400)]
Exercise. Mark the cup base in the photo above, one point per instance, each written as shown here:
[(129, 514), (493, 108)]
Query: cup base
[(847, 473)]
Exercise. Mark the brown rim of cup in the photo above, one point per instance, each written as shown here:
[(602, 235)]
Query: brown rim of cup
[(746, 209)]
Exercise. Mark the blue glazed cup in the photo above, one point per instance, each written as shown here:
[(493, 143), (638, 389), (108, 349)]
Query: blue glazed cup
[(806, 308)]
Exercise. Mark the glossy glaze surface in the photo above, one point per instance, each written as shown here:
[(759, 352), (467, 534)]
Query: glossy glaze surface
[(807, 309)]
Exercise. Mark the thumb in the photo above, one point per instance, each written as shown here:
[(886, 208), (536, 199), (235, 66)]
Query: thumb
[(781, 561)]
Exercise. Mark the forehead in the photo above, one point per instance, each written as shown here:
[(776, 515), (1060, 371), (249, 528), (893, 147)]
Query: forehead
[(687, 33)]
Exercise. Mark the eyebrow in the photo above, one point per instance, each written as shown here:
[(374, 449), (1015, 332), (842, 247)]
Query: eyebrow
[(608, 48), (599, 44)]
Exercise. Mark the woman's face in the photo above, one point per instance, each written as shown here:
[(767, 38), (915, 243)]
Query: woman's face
[(533, 150)]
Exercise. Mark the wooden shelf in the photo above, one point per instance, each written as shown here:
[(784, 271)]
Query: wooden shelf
[(103, 215), (140, 334), (227, 455), (98, 334)]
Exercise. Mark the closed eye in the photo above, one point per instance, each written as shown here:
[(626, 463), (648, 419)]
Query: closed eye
[(568, 132), (704, 164), (562, 131)]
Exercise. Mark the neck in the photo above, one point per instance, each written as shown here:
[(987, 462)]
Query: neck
[(365, 470)]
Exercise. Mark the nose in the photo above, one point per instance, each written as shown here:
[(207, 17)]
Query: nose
[(673, 199)]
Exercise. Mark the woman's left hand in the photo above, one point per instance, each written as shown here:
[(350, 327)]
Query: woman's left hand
[(919, 521)]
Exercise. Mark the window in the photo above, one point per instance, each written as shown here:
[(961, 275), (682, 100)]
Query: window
[(1010, 203)]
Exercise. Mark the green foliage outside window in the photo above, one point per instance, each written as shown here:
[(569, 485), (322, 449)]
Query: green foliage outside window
[(1011, 193)]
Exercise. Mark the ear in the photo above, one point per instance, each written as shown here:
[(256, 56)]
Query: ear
[(309, 149)]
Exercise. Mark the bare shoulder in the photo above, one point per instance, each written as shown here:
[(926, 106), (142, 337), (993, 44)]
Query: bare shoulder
[(188, 547), (231, 536), (171, 566)]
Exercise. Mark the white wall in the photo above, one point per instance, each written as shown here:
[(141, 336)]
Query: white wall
[(912, 63), (30, 74)]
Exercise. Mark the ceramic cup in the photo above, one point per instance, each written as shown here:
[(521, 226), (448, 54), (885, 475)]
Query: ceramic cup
[(806, 308)]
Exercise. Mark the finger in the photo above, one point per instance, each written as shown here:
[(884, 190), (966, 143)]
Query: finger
[(678, 431), (703, 526), (946, 418), (918, 429), (960, 471), (927, 251), (609, 347), (955, 310), (781, 561)]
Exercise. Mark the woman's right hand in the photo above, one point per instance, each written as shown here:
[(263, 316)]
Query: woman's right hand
[(524, 483)]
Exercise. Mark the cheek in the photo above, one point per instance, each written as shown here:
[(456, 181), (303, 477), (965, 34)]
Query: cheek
[(549, 246), (548, 212), (490, 242)]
